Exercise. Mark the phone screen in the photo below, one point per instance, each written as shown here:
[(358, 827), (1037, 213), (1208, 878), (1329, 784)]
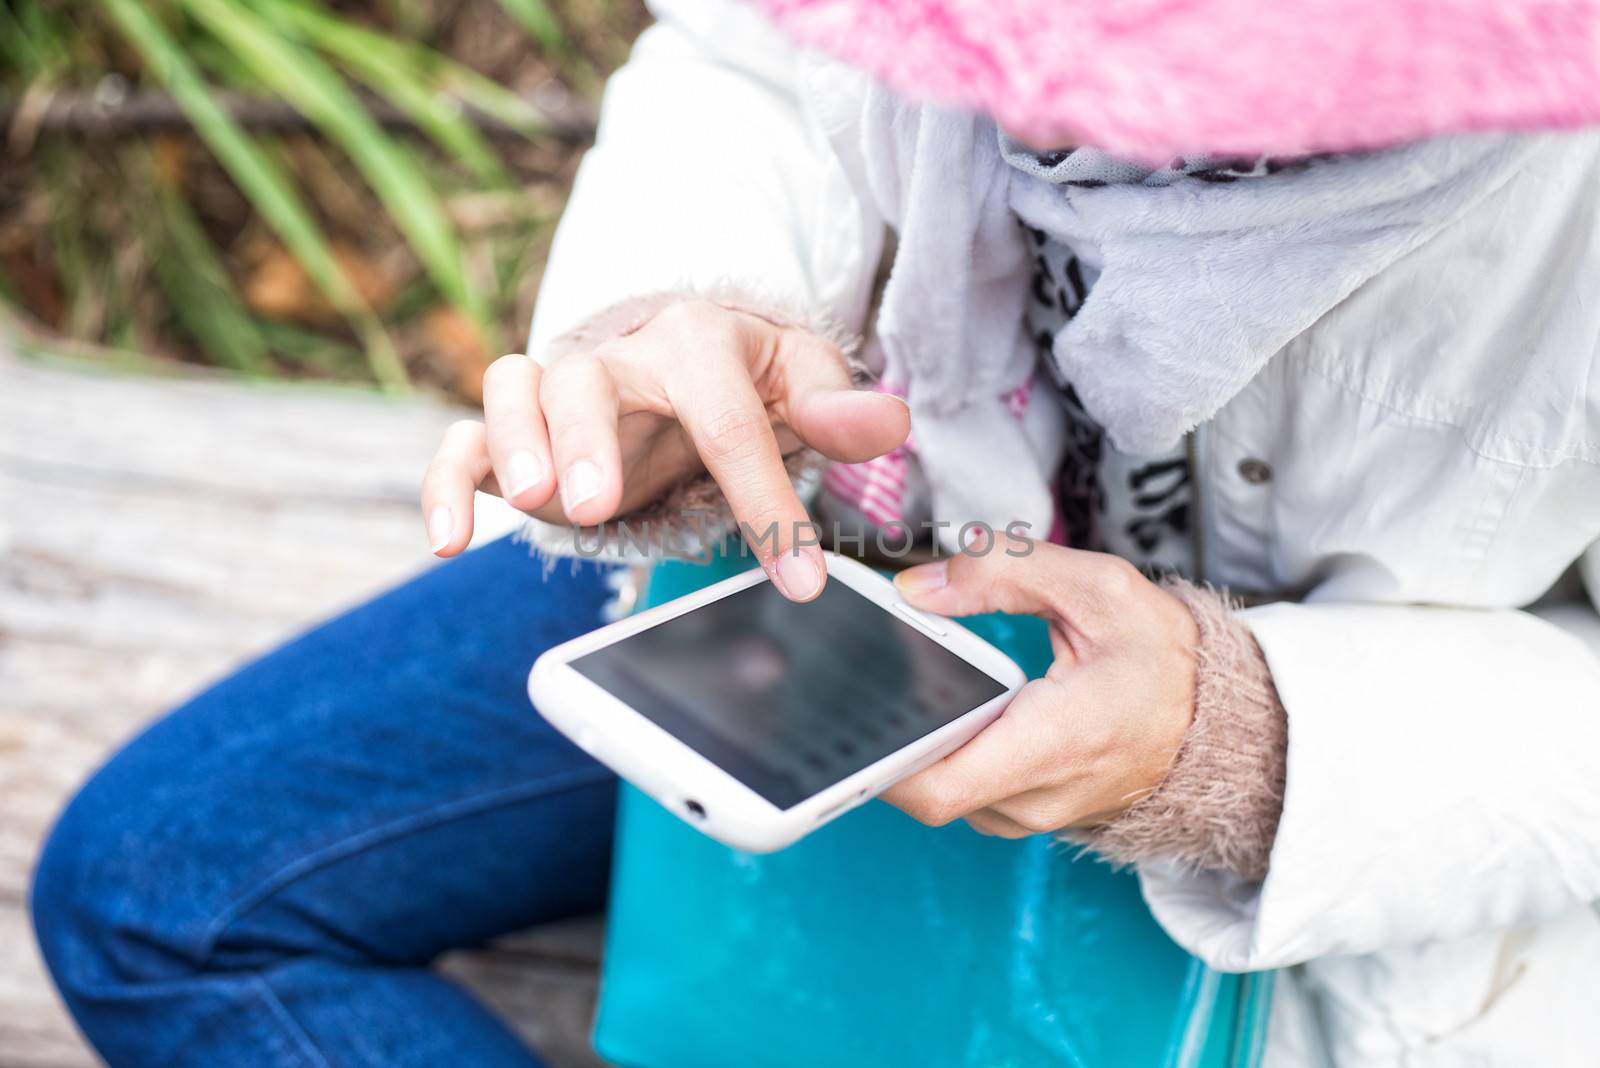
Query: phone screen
[(790, 698)]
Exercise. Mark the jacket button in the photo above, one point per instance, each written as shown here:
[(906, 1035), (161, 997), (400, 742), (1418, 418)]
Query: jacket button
[(1255, 472)]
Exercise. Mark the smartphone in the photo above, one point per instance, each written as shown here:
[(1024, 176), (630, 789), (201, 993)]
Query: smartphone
[(758, 720)]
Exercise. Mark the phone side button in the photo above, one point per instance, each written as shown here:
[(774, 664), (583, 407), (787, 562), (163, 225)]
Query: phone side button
[(920, 619), (839, 807)]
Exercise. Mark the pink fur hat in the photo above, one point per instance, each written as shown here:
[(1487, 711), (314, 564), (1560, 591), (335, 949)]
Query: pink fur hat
[(1150, 79)]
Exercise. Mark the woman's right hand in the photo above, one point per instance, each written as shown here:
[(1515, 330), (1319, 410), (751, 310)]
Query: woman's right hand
[(697, 388)]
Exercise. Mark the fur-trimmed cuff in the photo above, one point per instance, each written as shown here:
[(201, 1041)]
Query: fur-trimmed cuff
[(693, 517), (1219, 805), (624, 317), (690, 520)]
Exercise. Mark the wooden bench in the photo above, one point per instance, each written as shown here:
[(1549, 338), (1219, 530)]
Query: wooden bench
[(154, 533)]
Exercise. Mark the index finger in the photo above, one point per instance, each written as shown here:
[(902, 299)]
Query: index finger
[(719, 406)]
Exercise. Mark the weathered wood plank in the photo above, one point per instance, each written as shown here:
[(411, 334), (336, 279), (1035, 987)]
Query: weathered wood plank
[(155, 533), (545, 983)]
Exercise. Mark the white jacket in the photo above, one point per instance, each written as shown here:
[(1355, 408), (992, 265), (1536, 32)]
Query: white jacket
[(1434, 444)]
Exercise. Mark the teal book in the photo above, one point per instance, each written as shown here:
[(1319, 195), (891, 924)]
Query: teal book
[(878, 942)]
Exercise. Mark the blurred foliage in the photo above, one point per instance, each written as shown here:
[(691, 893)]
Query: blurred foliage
[(345, 248)]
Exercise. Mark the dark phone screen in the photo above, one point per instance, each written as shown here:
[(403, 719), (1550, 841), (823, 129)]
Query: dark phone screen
[(788, 698)]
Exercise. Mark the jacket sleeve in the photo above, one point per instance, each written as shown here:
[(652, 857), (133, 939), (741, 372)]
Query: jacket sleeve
[(711, 178), (1443, 778)]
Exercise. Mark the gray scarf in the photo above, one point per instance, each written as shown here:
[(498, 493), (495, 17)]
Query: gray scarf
[(1200, 283)]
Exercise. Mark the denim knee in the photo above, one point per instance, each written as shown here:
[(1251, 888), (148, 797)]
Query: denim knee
[(358, 724), (91, 892)]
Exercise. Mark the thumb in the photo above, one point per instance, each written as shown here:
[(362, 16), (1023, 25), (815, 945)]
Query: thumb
[(1012, 575), (850, 425), (827, 412)]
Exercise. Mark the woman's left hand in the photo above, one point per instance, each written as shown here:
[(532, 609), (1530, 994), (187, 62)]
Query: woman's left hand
[(1100, 730)]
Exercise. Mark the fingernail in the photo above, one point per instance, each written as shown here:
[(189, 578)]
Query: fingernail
[(440, 528), (859, 396), (579, 484), (525, 470), (924, 578), (799, 574)]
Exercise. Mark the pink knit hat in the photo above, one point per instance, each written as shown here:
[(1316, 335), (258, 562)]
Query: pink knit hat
[(1150, 79)]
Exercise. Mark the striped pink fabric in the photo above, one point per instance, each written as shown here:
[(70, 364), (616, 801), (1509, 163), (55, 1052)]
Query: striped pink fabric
[(877, 488)]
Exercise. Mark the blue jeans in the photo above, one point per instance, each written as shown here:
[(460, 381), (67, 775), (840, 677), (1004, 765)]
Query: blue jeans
[(263, 877)]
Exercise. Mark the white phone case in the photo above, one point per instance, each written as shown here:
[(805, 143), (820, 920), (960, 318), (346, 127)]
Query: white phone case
[(701, 792)]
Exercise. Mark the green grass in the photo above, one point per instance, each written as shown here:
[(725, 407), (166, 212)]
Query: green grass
[(324, 61)]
